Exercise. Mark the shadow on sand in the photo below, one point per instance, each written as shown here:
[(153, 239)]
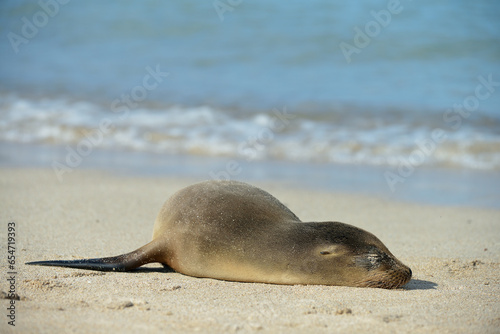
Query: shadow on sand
[(414, 284), (418, 284)]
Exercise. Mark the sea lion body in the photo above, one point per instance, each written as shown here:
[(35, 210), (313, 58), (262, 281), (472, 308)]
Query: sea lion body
[(233, 231)]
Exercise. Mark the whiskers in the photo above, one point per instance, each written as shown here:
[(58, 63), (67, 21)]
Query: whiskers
[(390, 279)]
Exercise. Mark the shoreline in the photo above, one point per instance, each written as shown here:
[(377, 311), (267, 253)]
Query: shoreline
[(448, 187), (453, 253)]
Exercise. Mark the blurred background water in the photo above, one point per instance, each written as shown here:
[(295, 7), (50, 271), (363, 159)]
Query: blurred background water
[(317, 84)]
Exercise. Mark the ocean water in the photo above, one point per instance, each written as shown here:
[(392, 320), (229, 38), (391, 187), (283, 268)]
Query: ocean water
[(397, 85)]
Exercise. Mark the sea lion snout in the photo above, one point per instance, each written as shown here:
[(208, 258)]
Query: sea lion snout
[(391, 274), (399, 277), (382, 269)]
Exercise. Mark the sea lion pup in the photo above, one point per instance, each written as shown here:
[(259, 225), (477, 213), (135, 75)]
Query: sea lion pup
[(233, 231)]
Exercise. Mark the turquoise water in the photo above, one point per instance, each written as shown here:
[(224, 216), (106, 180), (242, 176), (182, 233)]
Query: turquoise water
[(391, 85), (262, 55)]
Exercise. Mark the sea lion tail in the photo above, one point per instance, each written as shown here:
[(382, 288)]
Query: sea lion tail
[(146, 254)]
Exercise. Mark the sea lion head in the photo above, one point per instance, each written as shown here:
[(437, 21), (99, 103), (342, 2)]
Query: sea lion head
[(342, 254)]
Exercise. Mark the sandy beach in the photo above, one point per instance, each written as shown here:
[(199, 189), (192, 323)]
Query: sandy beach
[(453, 252), (380, 115)]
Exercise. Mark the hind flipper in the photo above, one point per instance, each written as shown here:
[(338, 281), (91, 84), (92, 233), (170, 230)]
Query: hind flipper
[(146, 254)]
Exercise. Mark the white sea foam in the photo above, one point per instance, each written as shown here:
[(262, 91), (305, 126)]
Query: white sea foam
[(205, 130)]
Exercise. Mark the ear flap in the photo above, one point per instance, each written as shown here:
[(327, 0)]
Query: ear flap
[(330, 250)]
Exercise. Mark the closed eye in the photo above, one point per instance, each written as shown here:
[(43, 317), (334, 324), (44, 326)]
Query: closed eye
[(369, 261), (373, 258)]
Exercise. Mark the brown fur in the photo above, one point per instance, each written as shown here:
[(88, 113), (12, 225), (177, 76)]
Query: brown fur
[(233, 231)]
